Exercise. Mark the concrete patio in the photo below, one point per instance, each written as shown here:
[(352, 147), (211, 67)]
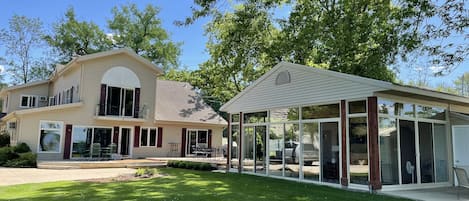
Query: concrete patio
[(433, 194)]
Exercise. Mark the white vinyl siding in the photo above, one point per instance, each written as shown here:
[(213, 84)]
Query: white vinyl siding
[(306, 87)]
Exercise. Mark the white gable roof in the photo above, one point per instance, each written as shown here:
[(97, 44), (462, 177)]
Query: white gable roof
[(315, 86)]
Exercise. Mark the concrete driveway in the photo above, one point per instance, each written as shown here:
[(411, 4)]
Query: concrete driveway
[(12, 176)]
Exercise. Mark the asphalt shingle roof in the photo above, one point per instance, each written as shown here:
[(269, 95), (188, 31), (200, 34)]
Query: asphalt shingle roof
[(179, 102)]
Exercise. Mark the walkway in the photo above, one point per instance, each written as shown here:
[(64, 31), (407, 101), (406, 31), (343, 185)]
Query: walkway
[(433, 194), (12, 176)]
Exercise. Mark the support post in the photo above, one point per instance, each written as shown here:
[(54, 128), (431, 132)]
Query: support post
[(373, 149)]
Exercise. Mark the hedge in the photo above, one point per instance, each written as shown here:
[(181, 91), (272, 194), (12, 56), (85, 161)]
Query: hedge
[(190, 165)]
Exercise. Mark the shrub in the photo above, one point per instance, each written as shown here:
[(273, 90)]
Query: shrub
[(6, 154), (22, 148), (4, 139), (190, 165), (24, 160), (146, 172)]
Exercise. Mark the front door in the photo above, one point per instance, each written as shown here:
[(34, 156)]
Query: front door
[(124, 141), (460, 148), (197, 140)]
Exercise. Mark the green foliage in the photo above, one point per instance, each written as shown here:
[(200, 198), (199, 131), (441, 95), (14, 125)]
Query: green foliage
[(190, 165), (21, 148), (6, 154), (142, 31), (71, 37), (4, 138), (24, 160), (146, 172), (17, 156)]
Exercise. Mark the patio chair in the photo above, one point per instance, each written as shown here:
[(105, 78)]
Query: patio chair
[(463, 180), (95, 150)]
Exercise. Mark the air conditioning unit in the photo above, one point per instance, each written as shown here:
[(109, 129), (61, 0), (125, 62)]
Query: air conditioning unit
[(43, 98), (11, 125)]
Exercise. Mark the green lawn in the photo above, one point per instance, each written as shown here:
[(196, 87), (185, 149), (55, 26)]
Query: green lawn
[(185, 185)]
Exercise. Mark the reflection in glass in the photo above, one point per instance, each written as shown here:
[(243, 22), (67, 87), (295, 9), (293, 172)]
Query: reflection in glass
[(292, 150), (248, 149), (256, 117), (311, 147), (405, 109), (408, 160), (260, 139), (276, 149), (386, 107), (235, 118), (430, 112), (81, 142), (426, 152), (388, 151), (358, 145), (320, 111), (284, 114), (357, 107), (441, 153), (330, 152), (234, 145)]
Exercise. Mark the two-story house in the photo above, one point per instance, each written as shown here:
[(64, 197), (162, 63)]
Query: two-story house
[(109, 103)]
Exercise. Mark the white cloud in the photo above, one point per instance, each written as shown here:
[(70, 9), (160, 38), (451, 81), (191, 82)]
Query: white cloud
[(436, 69), (2, 69)]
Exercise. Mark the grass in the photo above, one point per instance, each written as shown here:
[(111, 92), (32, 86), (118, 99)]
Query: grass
[(185, 185)]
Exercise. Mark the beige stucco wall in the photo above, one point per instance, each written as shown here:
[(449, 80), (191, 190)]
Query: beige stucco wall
[(14, 96), (28, 129), (172, 133), (88, 75), (94, 70), (65, 81)]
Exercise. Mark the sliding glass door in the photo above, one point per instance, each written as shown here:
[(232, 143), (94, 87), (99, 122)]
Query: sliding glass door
[(254, 149), (330, 151)]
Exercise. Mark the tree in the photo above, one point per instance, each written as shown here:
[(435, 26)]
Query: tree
[(238, 45), (71, 37), (21, 39), (462, 84), (142, 31)]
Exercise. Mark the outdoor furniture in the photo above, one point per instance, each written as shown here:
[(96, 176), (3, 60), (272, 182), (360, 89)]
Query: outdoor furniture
[(95, 150), (201, 150), (463, 180), (108, 151)]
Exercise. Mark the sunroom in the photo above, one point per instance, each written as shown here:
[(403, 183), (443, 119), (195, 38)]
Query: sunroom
[(319, 126)]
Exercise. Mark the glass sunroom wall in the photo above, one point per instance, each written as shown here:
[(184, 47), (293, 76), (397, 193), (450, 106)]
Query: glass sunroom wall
[(292, 150), (421, 146), (248, 149), (358, 142), (276, 146), (311, 146)]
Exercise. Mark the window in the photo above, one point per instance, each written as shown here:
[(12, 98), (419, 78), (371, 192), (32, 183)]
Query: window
[(50, 136), (51, 100), (257, 117), (357, 107), (320, 111), (28, 101), (148, 137), (90, 142), (120, 101)]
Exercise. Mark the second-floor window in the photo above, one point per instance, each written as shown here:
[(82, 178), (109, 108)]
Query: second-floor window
[(120, 101), (28, 101)]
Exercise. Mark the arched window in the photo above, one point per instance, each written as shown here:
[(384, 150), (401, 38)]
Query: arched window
[(120, 93)]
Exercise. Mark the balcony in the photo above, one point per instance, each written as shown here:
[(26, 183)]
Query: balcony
[(142, 116)]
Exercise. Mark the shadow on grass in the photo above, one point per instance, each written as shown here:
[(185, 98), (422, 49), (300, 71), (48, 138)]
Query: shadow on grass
[(185, 185)]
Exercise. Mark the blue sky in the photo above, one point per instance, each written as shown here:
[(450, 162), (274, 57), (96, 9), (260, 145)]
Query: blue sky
[(192, 37)]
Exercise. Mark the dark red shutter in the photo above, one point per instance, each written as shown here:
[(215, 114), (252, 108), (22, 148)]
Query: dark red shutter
[(102, 100), (183, 142), (115, 138), (137, 136), (159, 143), (137, 102), (68, 141), (209, 138)]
